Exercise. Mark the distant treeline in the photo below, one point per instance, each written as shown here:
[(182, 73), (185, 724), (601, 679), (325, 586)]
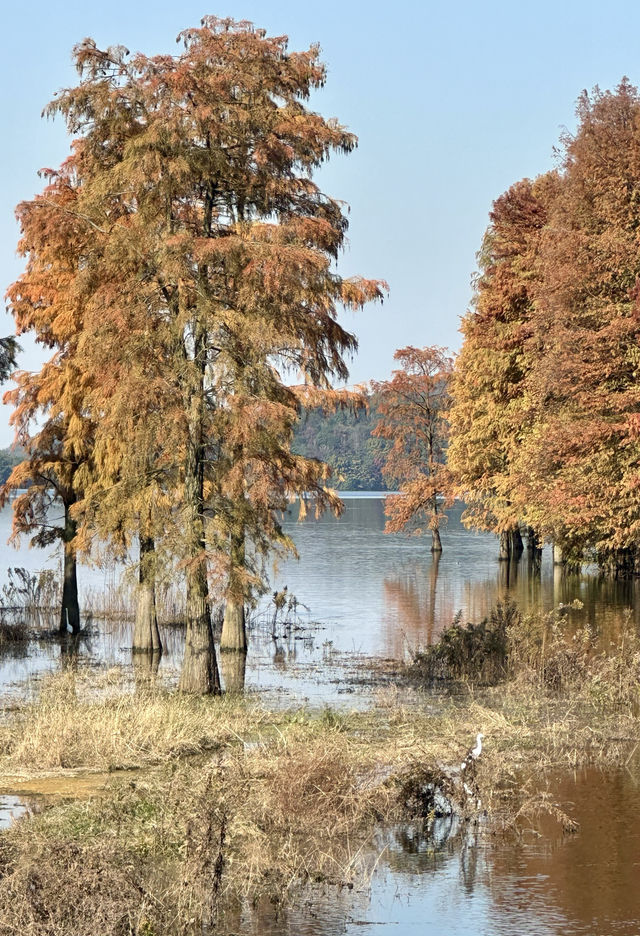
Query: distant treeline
[(343, 440), (8, 458)]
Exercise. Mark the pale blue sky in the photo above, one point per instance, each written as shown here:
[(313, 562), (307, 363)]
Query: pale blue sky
[(451, 102)]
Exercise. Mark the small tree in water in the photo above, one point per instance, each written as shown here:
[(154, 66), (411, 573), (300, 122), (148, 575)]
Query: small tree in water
[(411, 407)]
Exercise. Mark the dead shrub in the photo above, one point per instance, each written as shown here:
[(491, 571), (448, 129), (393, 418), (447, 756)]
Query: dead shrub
[(474, 652)]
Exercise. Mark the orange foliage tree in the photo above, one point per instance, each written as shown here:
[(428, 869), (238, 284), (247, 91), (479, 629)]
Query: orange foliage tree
[(546, 405), (490, 406), (211, 281), (50, 415), (579, 469), (412, 409)]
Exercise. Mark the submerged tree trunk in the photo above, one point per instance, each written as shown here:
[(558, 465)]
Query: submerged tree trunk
[(534, 551), (508, 572), (199, 672), (146, 636), (199, 667), (511, 546), (70, 609), (234, 632), (436, 544), (433, 587)]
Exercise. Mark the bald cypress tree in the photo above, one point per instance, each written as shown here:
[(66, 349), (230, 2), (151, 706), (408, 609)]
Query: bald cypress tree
[(212, 263), (50, 415)]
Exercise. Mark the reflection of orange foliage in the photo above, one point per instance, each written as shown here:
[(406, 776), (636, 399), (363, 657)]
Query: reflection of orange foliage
[(416, 608), (421, 600)]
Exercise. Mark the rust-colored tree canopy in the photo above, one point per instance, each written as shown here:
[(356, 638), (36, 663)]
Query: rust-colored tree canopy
[(197, 284), (412, 406), (546, 405)]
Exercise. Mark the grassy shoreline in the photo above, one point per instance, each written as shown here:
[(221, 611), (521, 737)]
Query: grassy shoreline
[(209, 803)]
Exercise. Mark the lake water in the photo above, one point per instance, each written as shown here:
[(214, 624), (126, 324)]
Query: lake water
[(364, 594), (473, 883)]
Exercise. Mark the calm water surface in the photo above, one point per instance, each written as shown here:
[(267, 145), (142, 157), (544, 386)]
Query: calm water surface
[(365, 594), (467, 881), (362, 593)]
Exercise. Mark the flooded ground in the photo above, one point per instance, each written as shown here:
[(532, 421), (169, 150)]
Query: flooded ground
[(363, 594), (466, 880)]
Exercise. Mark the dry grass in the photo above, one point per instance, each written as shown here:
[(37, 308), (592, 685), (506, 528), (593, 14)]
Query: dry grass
[(233, 802), (283, 798)]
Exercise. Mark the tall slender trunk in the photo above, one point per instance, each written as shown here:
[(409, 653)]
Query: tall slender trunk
[(199, 667), (436, 544), (504, 550), (70, 609), (433, 587), (234, 632), (146, 636)]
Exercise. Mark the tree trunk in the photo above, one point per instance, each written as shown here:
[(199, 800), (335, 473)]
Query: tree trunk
[(199, 667), (516, 547), (558, 558), (233, 667), (504, 546), (70, 610), (534, 551), (433, 586), (508, 573), (234, 633), (436, 544), (146, 636)]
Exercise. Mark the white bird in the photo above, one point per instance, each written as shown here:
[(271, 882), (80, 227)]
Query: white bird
[(474, 753)]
